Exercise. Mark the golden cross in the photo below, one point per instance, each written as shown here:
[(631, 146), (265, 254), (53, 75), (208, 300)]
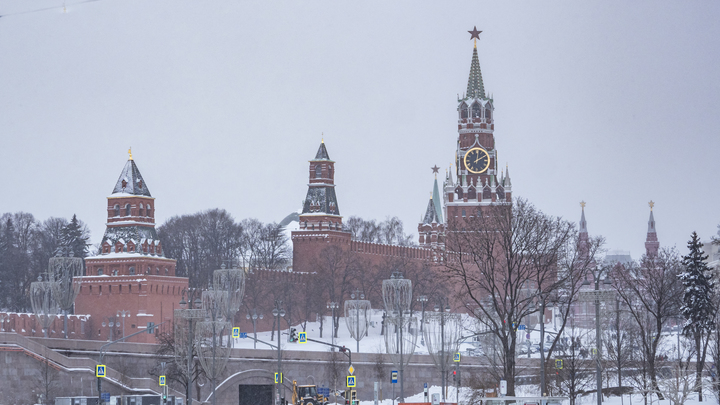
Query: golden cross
[(651, 204), (582, 204)]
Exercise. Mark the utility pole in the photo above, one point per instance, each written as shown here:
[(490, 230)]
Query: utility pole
[(278, 312)]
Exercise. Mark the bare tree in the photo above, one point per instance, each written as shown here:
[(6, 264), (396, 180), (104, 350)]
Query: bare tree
[(503, 257), (577, 372), (47, 380), (651, 292), (680, 385), (617, 339), (336, 271)]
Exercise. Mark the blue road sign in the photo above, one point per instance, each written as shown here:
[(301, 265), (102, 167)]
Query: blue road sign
[(162, 381), (393, 377), (521, 327), (302, 337), (236, 333), (425, 385), (105, 396), (456, 358), (243, 335), (278, 378), (100, 370), (351, 381)]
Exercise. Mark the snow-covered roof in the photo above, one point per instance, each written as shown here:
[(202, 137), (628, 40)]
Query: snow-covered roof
[(131, 181)]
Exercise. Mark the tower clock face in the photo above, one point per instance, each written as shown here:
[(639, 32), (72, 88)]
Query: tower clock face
[(477, 160)]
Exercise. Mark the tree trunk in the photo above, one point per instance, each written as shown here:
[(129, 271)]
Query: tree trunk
[(699, 364), (653, 379)]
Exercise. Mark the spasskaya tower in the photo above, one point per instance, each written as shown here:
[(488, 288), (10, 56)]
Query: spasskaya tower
[(478, 180)]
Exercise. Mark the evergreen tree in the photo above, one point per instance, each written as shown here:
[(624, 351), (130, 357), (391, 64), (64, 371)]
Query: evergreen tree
[(697, 306), (74, 238)]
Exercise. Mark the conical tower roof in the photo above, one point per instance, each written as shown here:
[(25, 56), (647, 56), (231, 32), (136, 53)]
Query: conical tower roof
[(430, 214), (436, 202), (651, 223), (475, 87), (322, 153), (131, 181)]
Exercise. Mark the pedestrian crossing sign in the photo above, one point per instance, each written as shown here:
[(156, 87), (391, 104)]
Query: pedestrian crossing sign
[(162, 381), (100, 370), (351, 381), (236, 333), (302, 337), (456, 358), (278, 378), (559, 364)]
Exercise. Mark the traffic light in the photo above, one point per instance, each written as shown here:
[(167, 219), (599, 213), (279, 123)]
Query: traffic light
[(454, 376), (343, 349), (292, 337)]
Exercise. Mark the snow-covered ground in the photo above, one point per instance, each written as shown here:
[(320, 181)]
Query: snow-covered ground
[(373, 343)]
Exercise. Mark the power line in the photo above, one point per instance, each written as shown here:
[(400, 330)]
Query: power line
[(46, 8)]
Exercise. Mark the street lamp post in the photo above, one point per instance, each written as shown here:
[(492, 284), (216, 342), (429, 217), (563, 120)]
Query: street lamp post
[(422, 300), (597, 295), (123, 314), (447, 335), (278, 312), (255, 316), (191, 295), (397, 297), (110, 324), (356, 305), (332, 306)]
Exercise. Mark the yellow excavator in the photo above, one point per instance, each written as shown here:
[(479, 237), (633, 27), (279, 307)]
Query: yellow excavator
[(307, 395)]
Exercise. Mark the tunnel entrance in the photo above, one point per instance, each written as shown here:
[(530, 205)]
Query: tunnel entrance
[(255, 394)]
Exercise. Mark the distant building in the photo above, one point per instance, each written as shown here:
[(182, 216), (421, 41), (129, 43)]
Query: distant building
[(129, 282)]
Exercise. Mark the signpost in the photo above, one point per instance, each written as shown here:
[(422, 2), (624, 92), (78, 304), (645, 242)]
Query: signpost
[(100, 370), (278, 378), (558, 364), (236, 333), (302, 337), (351, 381), (393, 380), (521, 327), (456, 358), (162, 381), (503, 387)]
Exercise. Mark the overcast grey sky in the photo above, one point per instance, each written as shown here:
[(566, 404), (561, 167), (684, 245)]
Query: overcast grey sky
[(611, 102)]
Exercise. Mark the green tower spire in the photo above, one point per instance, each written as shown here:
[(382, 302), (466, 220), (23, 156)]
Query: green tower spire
[(475, 88)]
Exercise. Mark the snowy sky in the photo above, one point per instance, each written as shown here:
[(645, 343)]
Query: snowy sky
[(611, 102)]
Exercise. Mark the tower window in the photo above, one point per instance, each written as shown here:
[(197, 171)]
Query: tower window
[(100, 273), (140, 208), (117, 211), (459, 192), (318, 171), (488, 113), (471, 193), (127, 210), (463, 111), (132, 271), (330, 172), (463, 212), (476, 110), (149, 210)]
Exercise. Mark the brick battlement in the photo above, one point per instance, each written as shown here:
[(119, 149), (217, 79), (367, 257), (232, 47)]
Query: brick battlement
[(391, 250)]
